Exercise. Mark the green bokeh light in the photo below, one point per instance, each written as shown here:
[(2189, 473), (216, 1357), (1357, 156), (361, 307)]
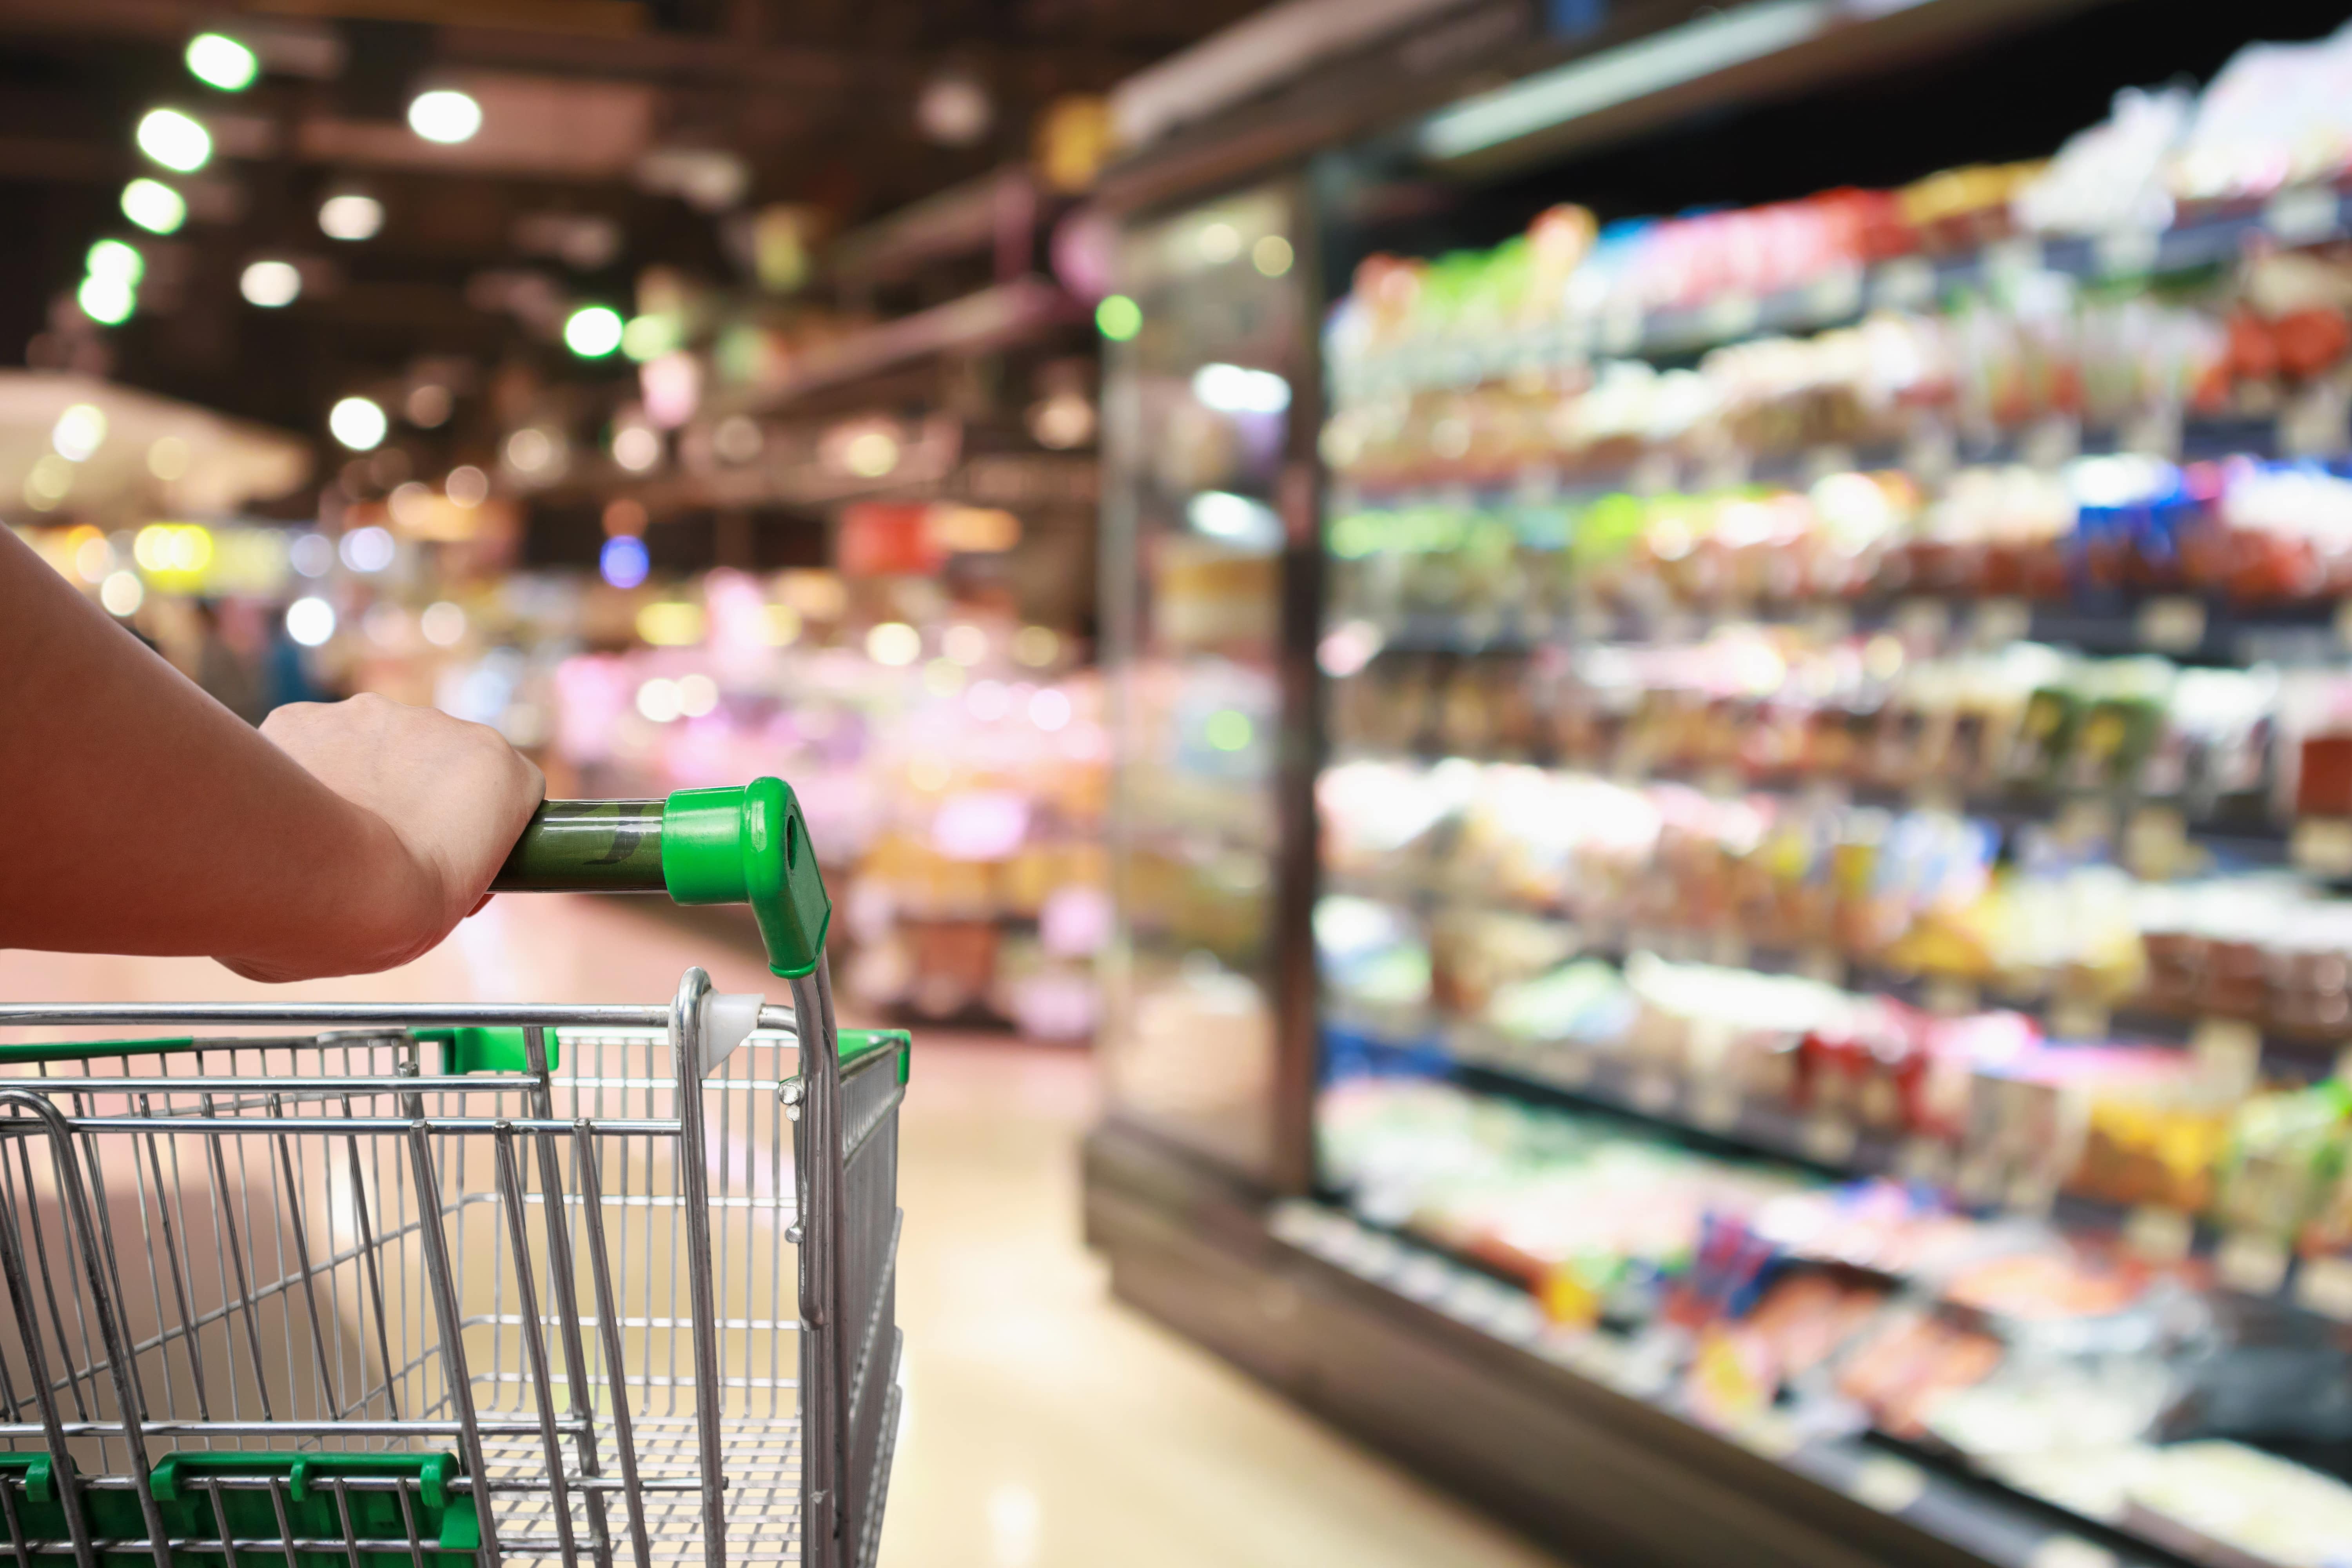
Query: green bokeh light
[(1119, 318), (650, 337), (1228, 730)]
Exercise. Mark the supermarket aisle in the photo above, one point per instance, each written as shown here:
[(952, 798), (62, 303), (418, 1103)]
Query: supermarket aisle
[(1047, 1428)]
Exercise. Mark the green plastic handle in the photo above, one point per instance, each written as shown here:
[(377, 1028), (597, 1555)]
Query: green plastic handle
[(587, 846), (742, 845)]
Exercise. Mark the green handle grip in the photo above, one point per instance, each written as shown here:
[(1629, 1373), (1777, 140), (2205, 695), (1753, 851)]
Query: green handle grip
[(587, 846), (741, 845)]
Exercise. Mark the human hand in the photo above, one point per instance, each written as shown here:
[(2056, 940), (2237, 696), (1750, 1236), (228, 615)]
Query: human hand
[(438, 804)]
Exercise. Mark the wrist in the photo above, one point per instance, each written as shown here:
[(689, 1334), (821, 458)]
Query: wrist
[(397, 901), (375, 904)]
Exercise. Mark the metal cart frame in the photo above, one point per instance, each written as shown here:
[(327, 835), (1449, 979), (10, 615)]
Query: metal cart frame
[(407, 1311)]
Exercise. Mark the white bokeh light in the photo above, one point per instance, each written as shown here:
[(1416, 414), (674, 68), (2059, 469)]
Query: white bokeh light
[(635, 448), (444, 115), (369, 548), (657, 699), (358, 423), (893, 642), (153, 205), (311, 554), (697, 694), (174, 141), (271, 284), (351, 217), (311, 620), (443, 624), (123, 593), (1049, 709)]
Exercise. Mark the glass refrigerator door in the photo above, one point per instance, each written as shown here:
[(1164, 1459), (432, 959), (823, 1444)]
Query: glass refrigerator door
[(1199, 444)]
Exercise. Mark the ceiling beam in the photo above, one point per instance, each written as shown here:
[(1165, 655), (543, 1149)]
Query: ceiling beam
[(657, 56), (669, 57), (609, 19)]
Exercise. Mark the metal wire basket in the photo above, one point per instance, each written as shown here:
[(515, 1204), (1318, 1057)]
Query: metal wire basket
[(384, 1286)]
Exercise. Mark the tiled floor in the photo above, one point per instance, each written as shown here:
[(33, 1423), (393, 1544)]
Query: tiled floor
[(1047, 1428)]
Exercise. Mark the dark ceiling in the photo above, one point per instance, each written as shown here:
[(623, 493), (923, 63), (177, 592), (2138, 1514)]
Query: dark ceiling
[(816, 98)]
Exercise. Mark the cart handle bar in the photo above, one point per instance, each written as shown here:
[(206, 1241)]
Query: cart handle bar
[(748, 845)]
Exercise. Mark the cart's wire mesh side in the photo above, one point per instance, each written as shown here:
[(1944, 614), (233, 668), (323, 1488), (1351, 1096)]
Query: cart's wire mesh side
[(624, 1077), (267, 1281), (870, 1093), (322, 1245)]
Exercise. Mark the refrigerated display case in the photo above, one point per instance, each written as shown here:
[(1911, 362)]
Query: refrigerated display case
[(1826, 908), (1209, 554)]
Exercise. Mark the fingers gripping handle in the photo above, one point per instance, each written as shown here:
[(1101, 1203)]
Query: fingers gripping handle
[(741, 845)]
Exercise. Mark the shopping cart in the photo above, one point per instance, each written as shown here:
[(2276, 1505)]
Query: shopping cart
[(440, 1284)]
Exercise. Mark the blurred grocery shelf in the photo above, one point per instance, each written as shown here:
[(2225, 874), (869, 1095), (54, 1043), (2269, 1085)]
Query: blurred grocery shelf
[(1795, 1011)]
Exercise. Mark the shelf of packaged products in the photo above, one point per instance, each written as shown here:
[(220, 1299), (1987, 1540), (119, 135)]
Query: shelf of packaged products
[(1462, 1378), (2206, 629), (1980, 1518), (2287, 1053), (1712, 1114), (2192, 623), (2232, 843), (1935, 446), (2300, 216)]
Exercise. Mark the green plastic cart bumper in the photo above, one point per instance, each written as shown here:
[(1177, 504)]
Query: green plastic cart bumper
[(444, 1521), (488, 1047), (859, 1044)]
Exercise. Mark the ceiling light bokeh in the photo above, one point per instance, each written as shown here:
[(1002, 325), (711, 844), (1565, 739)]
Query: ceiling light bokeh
[(175, 140), (106, 301), (272, 285), (444, 115), (154, 205), (954, 108), (358, 423), (636, 448), (593, 332), (351, 217), (220, 61), (113, 258)]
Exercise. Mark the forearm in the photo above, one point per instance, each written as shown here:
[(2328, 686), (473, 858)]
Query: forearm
[(150, 819)]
